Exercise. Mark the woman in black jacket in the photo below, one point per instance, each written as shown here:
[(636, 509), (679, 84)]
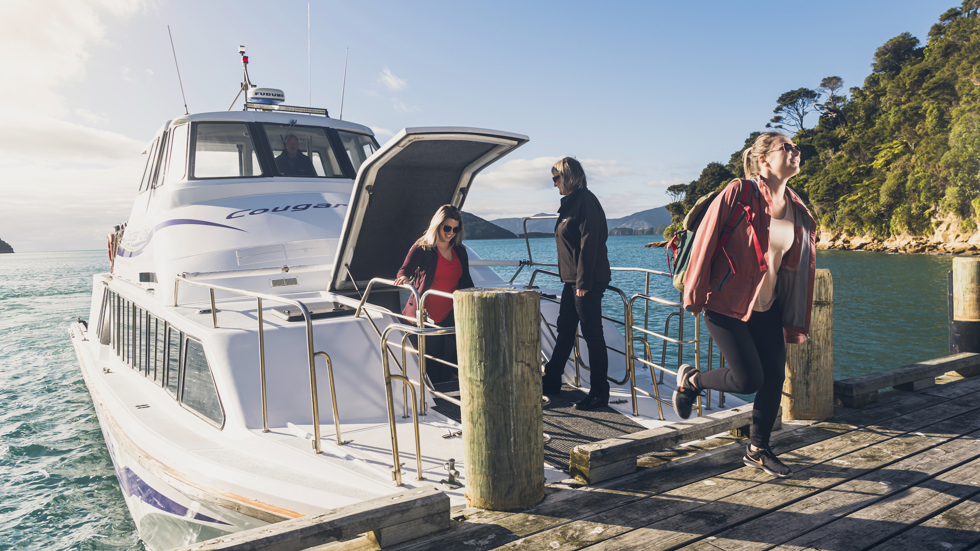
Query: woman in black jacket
[(438, 261), (583, 264)]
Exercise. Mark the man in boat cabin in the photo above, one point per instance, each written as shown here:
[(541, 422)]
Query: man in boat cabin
[(292, 161)]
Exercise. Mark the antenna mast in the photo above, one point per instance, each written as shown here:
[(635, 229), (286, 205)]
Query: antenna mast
[(174, 50), (344, 87), (309, 64)]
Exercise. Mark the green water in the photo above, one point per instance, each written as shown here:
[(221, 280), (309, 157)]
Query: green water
[(57, 484)]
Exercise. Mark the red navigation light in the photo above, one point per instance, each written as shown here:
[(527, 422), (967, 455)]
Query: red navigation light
[(245, 58)]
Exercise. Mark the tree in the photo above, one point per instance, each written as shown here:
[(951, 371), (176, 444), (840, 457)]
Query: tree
[(792, 107), (712, 177), (831, 107), (890, 57), (676, 192)]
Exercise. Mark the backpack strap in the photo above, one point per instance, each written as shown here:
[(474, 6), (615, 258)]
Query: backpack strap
[(741, 211)]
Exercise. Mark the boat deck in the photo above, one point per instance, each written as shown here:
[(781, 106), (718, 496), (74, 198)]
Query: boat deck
[(903, 473)]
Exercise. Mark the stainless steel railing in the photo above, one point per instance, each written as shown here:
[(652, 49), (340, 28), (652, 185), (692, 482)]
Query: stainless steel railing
[(410, 384), (310, 354)]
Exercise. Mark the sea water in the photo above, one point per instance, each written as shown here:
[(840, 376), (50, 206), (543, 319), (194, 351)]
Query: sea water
[(57, 486)]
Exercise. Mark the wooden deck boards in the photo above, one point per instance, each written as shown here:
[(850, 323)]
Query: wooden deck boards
[(903, 473)]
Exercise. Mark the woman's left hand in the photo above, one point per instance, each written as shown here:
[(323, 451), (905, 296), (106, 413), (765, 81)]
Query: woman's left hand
[(580, 292)]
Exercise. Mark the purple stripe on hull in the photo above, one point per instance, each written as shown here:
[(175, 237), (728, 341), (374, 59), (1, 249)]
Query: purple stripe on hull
[(126, 253), (133, 485)]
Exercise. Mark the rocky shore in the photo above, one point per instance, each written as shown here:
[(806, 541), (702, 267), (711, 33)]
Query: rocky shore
[(948, 238), (5, 247)]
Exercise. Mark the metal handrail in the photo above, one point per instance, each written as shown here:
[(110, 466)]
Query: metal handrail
[(408, 382), (311, 356), (527, 240)]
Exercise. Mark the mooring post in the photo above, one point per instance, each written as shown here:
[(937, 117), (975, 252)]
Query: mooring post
[(808, 392), (964, 304), (499, 348)]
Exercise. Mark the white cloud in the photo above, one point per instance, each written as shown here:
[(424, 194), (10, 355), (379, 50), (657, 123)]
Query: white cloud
[(382, 133), (391, 82), (88, 116), (62, 183), (665, 182), (401, 107), (127, 76), (536, 173), (52, 40), (149, 72)]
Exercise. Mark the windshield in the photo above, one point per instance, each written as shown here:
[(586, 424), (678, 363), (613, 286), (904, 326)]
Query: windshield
[(302, 151), (359, 147)]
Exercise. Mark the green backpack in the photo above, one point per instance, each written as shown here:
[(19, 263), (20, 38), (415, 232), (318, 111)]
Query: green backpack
[(682, 243)]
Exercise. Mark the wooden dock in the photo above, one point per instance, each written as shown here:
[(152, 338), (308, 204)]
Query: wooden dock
[(900, 473)]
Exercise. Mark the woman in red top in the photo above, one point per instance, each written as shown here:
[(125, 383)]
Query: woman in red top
[(438, 261)]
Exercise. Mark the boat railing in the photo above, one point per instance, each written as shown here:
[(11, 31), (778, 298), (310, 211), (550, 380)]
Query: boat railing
[(631, 329), (310, 354), (420, 323)]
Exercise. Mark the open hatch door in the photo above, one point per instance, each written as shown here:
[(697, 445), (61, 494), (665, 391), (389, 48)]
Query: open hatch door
[(400, 187)]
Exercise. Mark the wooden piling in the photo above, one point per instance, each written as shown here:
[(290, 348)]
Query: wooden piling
[(808, 392), (498, 339), (964, 319)]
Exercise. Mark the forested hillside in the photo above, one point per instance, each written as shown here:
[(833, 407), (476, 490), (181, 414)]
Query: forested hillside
[(899, 155)]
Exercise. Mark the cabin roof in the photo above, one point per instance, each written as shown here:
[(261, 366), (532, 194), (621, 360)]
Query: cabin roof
[(275, 117)]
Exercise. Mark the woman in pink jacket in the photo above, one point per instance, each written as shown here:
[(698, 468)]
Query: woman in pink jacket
[(756, 292)]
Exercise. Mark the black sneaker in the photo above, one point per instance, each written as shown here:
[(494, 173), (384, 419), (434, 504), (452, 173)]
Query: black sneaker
[(591, 402), (765, 459), (684, 396)]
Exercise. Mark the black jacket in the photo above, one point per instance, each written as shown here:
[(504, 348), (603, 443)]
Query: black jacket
[(426, 261), (580, 235), (304, 166)]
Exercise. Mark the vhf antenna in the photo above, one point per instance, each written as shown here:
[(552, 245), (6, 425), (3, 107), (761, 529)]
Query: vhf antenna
[(174, 50), (344, 87), (246, 84)]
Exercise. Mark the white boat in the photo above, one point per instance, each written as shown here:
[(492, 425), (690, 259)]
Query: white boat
[(232, 356)]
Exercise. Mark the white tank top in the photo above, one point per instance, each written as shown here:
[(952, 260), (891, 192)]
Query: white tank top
[(781, 235)]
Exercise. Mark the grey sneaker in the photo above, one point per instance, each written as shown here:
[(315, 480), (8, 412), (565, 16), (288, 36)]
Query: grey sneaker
[(684, 396), (765, 459)]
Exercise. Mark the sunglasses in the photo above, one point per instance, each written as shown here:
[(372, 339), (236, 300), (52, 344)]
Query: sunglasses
[(447, 228), (555, 178), (787, 147)]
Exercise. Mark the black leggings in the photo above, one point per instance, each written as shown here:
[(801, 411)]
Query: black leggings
[(756, 355), (442, 347)]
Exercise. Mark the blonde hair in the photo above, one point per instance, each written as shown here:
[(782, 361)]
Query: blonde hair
[(431, 235), (761, 146), (572, 175)]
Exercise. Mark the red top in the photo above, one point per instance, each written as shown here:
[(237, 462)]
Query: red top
[(446, 280)]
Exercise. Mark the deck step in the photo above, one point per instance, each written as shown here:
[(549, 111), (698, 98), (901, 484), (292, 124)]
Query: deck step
[(593, 463)]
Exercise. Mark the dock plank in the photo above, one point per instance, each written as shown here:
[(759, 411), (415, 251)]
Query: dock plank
[(630, 526), (881, 521), (814, 517), (954, 529)]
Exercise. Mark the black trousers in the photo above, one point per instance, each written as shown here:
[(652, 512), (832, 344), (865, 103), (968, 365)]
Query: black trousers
[(756, 357), (586, 310), (442, 347)]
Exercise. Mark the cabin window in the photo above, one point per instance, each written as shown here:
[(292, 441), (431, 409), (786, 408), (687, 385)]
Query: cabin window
[(128, 332), (303, 151), (139, 352), (223, 150), (177, 156), (358, 146), (173, 360), (105, 333), (159, 346), (198, 391), (151, 156)]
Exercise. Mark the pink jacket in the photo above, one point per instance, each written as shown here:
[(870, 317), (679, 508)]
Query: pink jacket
[(713, 285)]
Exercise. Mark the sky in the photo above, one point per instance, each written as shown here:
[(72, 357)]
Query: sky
[(645, 94)]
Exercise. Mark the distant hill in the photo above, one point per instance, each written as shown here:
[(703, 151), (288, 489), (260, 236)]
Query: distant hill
[(643, 220), (515, 225), (478, 228), (5, 247)]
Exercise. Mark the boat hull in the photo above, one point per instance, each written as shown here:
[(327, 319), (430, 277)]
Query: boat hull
[(169, 511)]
